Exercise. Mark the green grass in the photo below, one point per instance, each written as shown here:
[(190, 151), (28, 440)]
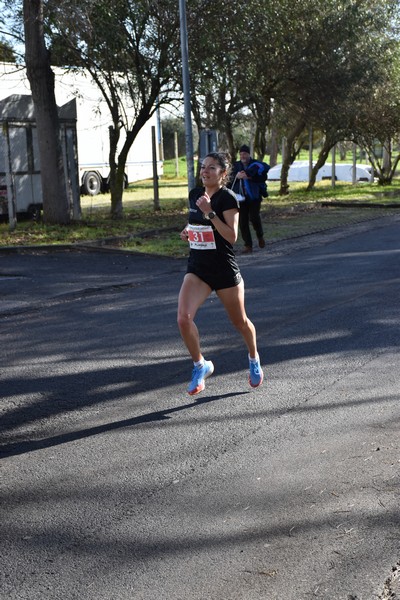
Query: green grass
[(173, 171), (143, 229)]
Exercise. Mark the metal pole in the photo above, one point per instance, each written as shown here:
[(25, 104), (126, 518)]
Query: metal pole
[(186, 95), (160, 135), (12, 205), (155, 172), (176, 154)]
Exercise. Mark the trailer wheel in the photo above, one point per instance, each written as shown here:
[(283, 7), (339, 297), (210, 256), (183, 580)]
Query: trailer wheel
[(92, 183)]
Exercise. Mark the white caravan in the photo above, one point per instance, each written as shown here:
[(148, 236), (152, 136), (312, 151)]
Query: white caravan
[(93, 122)]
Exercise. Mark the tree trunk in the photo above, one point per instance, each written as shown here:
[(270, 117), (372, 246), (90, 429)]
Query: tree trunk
[(290, 155), (225, 141), (384, 177), (117, 183), (323, 155), (116, 187), (342, 151), (263, 115), (273, 155), (260, 143), (41, 79), (231, 144)]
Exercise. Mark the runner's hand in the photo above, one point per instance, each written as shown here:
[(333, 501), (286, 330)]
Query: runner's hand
[(184, 235), (204, 203)]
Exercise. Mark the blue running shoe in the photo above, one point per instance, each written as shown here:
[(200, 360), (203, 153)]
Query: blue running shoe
[(256, 374), (199, 374)]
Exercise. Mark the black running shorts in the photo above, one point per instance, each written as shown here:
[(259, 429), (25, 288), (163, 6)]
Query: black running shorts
[(226, 278)]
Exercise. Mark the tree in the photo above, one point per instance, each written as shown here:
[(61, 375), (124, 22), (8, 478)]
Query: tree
[(376, 125), (130, 49), (265, 59), (215, 69), (365, 59), (41, 79), (329, 77), (234, 69)]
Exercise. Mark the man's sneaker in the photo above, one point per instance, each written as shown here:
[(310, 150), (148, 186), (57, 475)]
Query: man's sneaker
[(261, 242), (199, 374), (256, 374)]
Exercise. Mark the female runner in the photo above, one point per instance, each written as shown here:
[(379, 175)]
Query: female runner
[(211, 232)]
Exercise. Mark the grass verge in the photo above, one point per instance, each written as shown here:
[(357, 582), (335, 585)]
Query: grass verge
[(145, 230)]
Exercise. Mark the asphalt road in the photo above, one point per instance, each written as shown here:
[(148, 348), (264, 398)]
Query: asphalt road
[(117, 485)]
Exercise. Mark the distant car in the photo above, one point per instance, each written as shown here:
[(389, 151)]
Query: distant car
[(299, 171)]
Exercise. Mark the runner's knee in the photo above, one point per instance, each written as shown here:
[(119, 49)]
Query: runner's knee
[(240, 323), (184, 321)]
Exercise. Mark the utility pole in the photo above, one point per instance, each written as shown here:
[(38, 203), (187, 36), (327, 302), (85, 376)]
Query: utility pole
[(186, 95)]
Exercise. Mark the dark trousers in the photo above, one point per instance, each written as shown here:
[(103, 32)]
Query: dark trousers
[(250, 213)]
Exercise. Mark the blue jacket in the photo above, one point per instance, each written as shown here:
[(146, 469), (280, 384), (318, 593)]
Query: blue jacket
[(256, 188)]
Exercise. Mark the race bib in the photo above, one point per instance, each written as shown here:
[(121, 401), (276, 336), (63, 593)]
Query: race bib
[(201, 237)]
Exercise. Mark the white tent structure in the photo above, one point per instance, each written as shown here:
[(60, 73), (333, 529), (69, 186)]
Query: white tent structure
[(300, 171)]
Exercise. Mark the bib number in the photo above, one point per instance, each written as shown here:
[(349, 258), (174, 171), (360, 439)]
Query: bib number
[(201, 237)]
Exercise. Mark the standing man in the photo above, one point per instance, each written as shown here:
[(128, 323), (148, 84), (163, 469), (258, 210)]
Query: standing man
[(249, 177)]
